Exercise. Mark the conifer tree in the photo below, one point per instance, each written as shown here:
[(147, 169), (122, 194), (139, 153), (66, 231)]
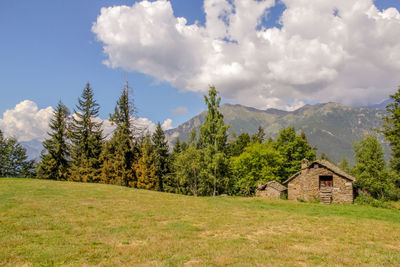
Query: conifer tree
[(55, 155), (259, 136), (13, 159), (344, 165), (86, 139), (146, 168), (391, 130), (370, 169), (119, 153), (160, 155), (213, 137)]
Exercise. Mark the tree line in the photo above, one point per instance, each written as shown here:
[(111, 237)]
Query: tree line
[(210, 163)]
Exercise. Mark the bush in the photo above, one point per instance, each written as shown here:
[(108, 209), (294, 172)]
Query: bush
[(367, 199)]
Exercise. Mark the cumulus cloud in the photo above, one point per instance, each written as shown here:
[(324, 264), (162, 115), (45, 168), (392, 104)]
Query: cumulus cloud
[(180, 111), (345, 51), (26, 122)]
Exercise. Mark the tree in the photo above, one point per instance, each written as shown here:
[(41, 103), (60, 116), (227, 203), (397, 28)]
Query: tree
[(236, 147), (324, 156), (213, 137), (259, 136), (188, 170), (160, 155), (258, 162), (344, 165), (370, 169), (86, 139), (13, 159), (54, 162), (120, 152), (294, 148), (391, 129), (146, 168)]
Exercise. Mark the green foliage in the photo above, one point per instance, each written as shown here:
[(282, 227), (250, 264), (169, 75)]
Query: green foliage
[(258, 162), (120, 152), (160, 155), (391, 129), (344, 165), (259, 136), (86, 139), (213, 137), (146, 167), (189, 168), (13, 159), (294, 148), (54, 162), (236, 147), (370, 169), (367, 199)]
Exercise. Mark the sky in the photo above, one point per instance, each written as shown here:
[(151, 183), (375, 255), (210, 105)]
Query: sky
[(264, 54)]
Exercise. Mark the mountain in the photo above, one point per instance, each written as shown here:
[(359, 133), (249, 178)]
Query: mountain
[(381, 105), (331, 127)]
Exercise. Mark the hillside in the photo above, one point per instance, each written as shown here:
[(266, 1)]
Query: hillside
[(331, 127), (49, 223)]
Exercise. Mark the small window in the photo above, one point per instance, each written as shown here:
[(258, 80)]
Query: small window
[(325, 181)]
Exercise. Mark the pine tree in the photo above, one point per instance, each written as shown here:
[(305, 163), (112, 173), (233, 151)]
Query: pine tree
[(13, 159), (86, 139), (146, 168), (259, 136), (213, 137), (344, 165), (55, 155), (370, 169), (391, 130), (160, 155), (119, 153)]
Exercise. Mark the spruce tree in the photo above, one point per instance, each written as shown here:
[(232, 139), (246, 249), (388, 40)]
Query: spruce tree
[(259, 136), (160, 155), (86, 139), (54, 162), (391, 130), (119, 153), (370, 169), (146, 168), (213, 137), (13, 159)]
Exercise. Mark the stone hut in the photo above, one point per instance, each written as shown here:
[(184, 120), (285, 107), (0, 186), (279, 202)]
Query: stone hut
[(322, 180), (271, 189)]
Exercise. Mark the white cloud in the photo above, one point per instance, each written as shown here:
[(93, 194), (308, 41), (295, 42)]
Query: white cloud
[(26, 122), (345, 51), (180, 111), (167, 125)]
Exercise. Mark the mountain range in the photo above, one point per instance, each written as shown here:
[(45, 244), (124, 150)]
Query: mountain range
[(331, 127)]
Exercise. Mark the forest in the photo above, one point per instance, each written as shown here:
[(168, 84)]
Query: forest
[(211, 163)]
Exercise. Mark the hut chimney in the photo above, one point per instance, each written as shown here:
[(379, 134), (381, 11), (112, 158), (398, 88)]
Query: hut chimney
[(304, 163)]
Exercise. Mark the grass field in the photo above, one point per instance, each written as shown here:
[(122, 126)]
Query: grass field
[(46, 223)]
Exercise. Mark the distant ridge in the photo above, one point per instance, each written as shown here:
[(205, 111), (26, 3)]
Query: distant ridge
[(331, 127)]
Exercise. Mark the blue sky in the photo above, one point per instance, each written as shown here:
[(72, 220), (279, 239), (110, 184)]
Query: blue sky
[(48, 52)]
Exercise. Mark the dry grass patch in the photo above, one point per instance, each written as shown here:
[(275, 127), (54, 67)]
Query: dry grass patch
[(46, 223)]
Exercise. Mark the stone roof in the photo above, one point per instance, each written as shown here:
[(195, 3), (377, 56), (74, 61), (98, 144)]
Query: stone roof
[(330, 166), (273, 184)]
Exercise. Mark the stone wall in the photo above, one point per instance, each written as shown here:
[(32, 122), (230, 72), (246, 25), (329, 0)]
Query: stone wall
[(306, 186), (269, 192)]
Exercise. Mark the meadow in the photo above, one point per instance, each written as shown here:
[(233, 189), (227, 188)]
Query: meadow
[(50, 223)]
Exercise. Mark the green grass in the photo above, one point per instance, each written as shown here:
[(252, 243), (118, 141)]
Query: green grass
[(47, 223)]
